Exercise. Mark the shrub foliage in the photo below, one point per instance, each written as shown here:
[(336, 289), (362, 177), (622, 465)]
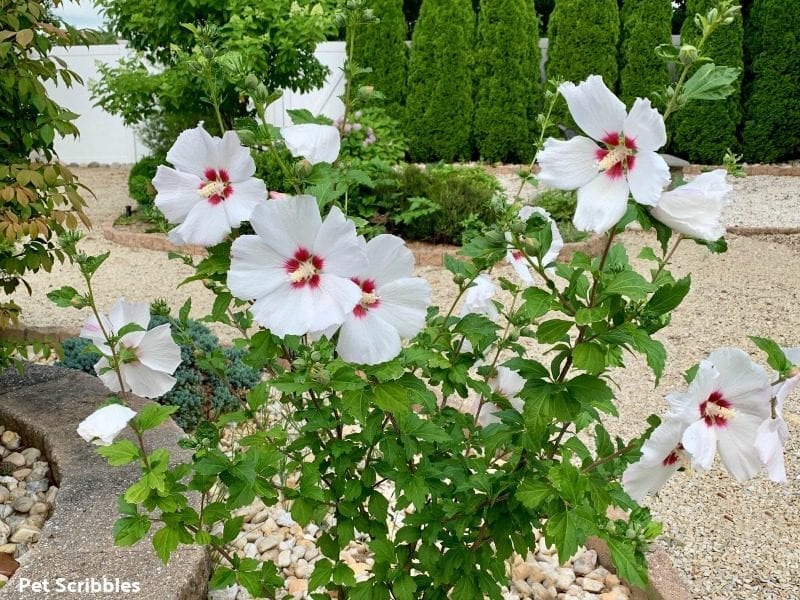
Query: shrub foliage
[(439, 106), (507, 84), (645, 25), (772, 88), (704, 130)]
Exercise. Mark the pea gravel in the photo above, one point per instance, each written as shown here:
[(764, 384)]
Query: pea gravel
[(728, 539)]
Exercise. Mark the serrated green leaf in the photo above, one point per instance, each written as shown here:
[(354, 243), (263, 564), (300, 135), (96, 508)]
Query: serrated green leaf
[(152, 415), (532, 493), (119, 453), (423, 429), (129, 530), (589, 357), (537, 302), (223, 577), (629, 568), (626, 283), (391, 397), (775, 356), (404, 587), (165, 542), (552, 331), (668, 297)]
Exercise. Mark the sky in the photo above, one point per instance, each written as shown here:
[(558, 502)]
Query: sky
[(81, 14)]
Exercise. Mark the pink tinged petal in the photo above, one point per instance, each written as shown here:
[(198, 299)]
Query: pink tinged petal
[(234, 158), (742, 382), (104, 424), (194, 151), (403, 304), (91, 330), (665, 440), (643, 478), (158, 350), (700, 441), (645, 127), (246, 195), (368, 340), (520, 264), (601, 203), (648, 177), (205, 225), (737, 446), (147, 382), (256, 269), (124, 312), (177, 193), (389, 259), (770, 440), (315, 143), (341, 250), (568, 165), (287, 224), (596, 110)]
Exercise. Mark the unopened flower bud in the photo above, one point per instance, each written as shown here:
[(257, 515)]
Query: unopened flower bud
[(513, 335), (208, 52), (299, 364), (251, 82), (303, 168), (316, 356), (519, 228), (365, 91), (320, 374), (687, 54)]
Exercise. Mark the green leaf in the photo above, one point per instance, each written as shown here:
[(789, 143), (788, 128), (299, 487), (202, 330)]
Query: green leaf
[(382, 550), (533, 492), (64, 296), (303, 510), (119, 453), (165, 541), (404, 587), (653, 350), (561, 529), (392, 397), (138, 492), (223, 577), (343, 575), (553, 331), (709, 82), (775, 356), (589, 357), (423, 429), (587, 316), (465, 589), (152, 415), (231, 529), (630, 569), (668, 297), (478, 329), (627, 283), (592, 391), (356, 402), (129, 530), (537, 302)]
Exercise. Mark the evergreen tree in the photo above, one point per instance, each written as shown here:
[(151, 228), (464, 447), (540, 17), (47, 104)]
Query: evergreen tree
[(507, 84), (382, 47), (772, 86), (705, 129), (645, 25), (583, 39), (439, 104)]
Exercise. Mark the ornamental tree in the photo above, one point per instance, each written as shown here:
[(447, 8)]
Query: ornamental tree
[(705, 130), (645, 25), (507, 80), (772, 82), (382, 47), (439, 106)]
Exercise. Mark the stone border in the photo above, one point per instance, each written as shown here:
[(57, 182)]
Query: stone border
[(45, 406), (36, 333), (148, 241)]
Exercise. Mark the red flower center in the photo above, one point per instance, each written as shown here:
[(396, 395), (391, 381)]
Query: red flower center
[(304, 269), (369, 299), (618, 156), (716, 411), (217, 186), (674, 457)]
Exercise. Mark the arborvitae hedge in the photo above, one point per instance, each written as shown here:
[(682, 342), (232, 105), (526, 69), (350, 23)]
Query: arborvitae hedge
[(645, 25), (583, 40), (705, 129), (507, 83), (771, 129), (382, 47), (439, 103)]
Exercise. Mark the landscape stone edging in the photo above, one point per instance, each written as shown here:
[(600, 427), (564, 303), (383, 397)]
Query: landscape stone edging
[(45, 405)]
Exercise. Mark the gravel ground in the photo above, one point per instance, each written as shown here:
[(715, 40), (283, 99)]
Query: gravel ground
[(730, 540)]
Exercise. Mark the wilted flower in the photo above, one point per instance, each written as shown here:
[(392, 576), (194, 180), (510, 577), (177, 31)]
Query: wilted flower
[(478, 298), (211, 190), (695, 209), (105, 424), (508, 384), (625, 162), (517, 258), (315, 143)]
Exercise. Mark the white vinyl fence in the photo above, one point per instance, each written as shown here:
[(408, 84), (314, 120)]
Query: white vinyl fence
[(106, 139)]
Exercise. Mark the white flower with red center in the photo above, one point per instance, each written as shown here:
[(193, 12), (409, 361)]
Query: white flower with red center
[(298, 269), (392, 307), (725, 405), (662, 455), (695, 209), (479, 298), (518, 259), (625, 161), (773, 433), (147, 359), (315, 143), (105, 424), (211, 190), (508, 384)]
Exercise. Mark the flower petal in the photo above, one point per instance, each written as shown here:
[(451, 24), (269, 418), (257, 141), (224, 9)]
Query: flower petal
[(247, 194), (256, 269), (158, 350), (601, 203), (341, 249), (404, 304), (700, 441), (287, 224), (205, 225), (235, 158), (770, 439), (737, 446), (124, 312), (389, 259), (743, 383), (368, 340), (147, 382), (315, 143), (285, 311), (568, 165), (695, 209), (104, 424), (194, 151), (645, 126), (177, 193), (648, 177), (521, 266), (334, 300), (643, 478), (109, 377), (595, 108)]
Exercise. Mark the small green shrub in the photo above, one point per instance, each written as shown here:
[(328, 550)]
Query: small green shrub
[(372, 134), (210, 380), (268, 169), (140, 187), (441, 204)]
